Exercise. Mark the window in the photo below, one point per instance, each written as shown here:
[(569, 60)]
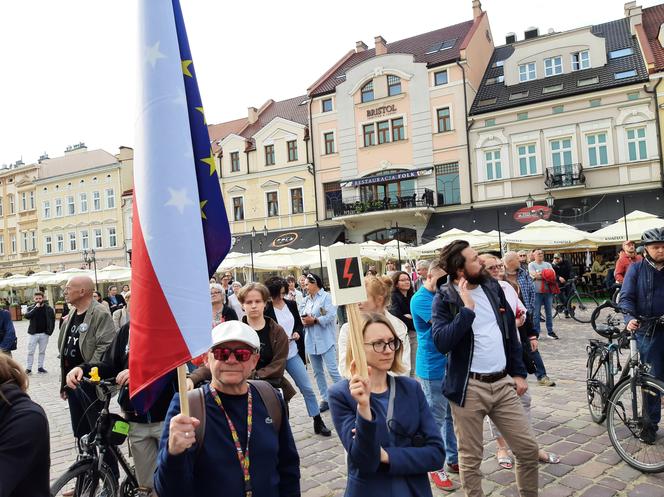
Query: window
[(621, 52), (71, 210), (33, 240), (553, 66), (98, 238), (625, 74), (72, 241), (489, 122), (527, 72), (383, 132), (292, 150), (519, 94), (12, 207), (527, 159), (558, 109), (297, 201), (595, 102), (48, 244), (332, 192), (636, 144), (493, 81), (487, 101), (588, 81), (46, 207), (83, 202), (60, 243), (85, 242), (367, 92), (393, 85), (447, 184), (58, 207), (238, 208), (24, 241), (326, 105), (32, 200), (440, 46), (521, 116), (561, 155), (112, 237), (24, 201), (269, 155), (96, 201), (444, 120), (110, 198), (398, 131), (235, 162), (328, 138), (272, 204), (498, 63), (493, 164), (597, 151), (580, 60), (552, 88), (369, 132), (440, 78)]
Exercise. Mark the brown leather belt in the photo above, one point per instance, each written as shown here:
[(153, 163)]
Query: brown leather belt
[(488, 377)]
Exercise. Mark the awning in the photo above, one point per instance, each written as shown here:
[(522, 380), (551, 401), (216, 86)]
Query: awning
[(386, 178), (294, 238)]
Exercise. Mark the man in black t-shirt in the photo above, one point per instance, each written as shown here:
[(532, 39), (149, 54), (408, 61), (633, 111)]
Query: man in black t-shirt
[(42, 323)]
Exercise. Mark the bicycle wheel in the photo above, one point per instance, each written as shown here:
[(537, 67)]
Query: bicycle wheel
[(631, 428), (78, 480), (581, 307), (597, 381)]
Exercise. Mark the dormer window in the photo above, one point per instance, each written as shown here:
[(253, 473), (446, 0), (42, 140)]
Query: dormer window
[(621, 52), (553, 66), (393, 85), (580, 60), (527, 72), (367, 92)]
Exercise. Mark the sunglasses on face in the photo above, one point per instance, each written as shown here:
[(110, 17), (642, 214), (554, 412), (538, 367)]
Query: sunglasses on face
[(242, 354), (381, 346), (495, 267)]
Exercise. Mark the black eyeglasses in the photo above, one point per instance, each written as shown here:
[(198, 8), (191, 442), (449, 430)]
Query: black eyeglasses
[(381, 346)]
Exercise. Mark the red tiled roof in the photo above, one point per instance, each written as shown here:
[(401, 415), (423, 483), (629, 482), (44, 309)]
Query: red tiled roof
[(293, 109), (220, 131), (653, 17), (416, 46)]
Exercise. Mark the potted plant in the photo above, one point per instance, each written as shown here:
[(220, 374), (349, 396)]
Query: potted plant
[(15, 312)]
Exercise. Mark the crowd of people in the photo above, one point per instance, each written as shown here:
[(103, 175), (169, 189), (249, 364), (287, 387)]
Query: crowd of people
[(447, 346)]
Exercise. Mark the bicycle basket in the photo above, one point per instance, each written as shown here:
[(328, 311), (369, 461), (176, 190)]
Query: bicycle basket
[(606, 320), (118, 429)]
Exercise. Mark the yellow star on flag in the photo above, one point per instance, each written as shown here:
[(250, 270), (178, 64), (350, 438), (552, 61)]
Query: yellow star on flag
[(185, 67), (203, 207), (200, 109), (211, 162)]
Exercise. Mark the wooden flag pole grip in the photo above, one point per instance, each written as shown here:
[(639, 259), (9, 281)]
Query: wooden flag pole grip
[(182, 389), (356, 340)]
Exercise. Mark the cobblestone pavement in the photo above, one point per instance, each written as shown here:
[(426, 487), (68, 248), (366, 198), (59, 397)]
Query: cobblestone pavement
[(589, 467)]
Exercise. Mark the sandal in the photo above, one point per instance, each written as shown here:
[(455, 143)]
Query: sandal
[(504, 462), (550, 458)]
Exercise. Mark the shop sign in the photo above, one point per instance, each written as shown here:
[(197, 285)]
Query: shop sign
[(387, 178), (381, 111), (284, 240), (529, 214)]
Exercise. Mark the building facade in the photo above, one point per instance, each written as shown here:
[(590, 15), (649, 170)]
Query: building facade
[(78, 202), (389, 130)]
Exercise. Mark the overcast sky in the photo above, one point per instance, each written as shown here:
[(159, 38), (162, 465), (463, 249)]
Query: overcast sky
[(69, 65)]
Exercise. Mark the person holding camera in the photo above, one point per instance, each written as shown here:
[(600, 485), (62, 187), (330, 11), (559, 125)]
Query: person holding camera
[(42, 323)]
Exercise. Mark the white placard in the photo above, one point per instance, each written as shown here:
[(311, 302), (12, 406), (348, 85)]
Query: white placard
[(344, 266)]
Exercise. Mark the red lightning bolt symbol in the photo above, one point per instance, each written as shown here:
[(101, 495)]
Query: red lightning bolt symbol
[(347, 274)]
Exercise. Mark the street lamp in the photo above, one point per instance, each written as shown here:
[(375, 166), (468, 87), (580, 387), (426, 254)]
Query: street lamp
[(624, 208), (530, 201), (89, 257), (550, 200), (320, 253), (251, 248)]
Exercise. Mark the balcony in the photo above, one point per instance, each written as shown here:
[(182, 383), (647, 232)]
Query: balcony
[(569, 176), (353, 206)]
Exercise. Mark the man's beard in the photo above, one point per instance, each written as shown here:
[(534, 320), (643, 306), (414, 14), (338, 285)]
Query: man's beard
[(477, 279)]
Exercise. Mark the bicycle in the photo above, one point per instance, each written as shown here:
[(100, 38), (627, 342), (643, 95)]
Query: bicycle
[(579, 306), (634, 406), (89, 476)]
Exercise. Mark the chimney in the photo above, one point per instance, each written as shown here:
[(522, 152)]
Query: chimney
[(360, 46), (252, 115), (510, 38), (634, 13), (477, 9), (531, 33), (381, 45)]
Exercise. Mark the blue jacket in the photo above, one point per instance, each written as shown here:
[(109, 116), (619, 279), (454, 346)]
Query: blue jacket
[(407, 473), (320, 337), (274, 462), (429, 363), (642, 292), (7, 332), (453, 335)]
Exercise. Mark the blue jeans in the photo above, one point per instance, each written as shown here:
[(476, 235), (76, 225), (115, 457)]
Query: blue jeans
[(298, 372), (651, 350), (547, 300), (442, 413), (540, 370), (330, 359)]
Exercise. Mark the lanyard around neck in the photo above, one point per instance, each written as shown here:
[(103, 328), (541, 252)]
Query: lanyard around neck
[(242, 456)]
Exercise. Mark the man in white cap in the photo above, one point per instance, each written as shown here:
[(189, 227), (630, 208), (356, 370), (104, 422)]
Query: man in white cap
[(247, 447)]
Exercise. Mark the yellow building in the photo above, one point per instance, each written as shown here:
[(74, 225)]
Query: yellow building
[(78, 202), (18, 233)]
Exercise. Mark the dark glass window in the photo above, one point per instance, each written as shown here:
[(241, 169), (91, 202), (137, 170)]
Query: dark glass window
[(369, 132), (329, 143), (238, 208), (447, 184), (292, 150), (326, 105), (368, 92), (444, 121), (269, 155), (398, 131), (383, 132), (393, 85), (235, 162)]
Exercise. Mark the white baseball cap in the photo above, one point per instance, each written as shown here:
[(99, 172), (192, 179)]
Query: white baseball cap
[(235, 331)]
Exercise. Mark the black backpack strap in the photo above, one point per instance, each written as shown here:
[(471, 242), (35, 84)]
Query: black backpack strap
[(196, 398), (270, 398)]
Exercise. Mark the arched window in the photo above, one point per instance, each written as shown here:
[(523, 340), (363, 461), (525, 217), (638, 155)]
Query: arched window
[(393, 85), (368, 92)]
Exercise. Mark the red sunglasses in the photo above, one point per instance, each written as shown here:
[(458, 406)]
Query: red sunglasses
[(224, 353)]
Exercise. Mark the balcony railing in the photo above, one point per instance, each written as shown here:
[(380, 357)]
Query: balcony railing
[(410, 199), (564, 176)]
